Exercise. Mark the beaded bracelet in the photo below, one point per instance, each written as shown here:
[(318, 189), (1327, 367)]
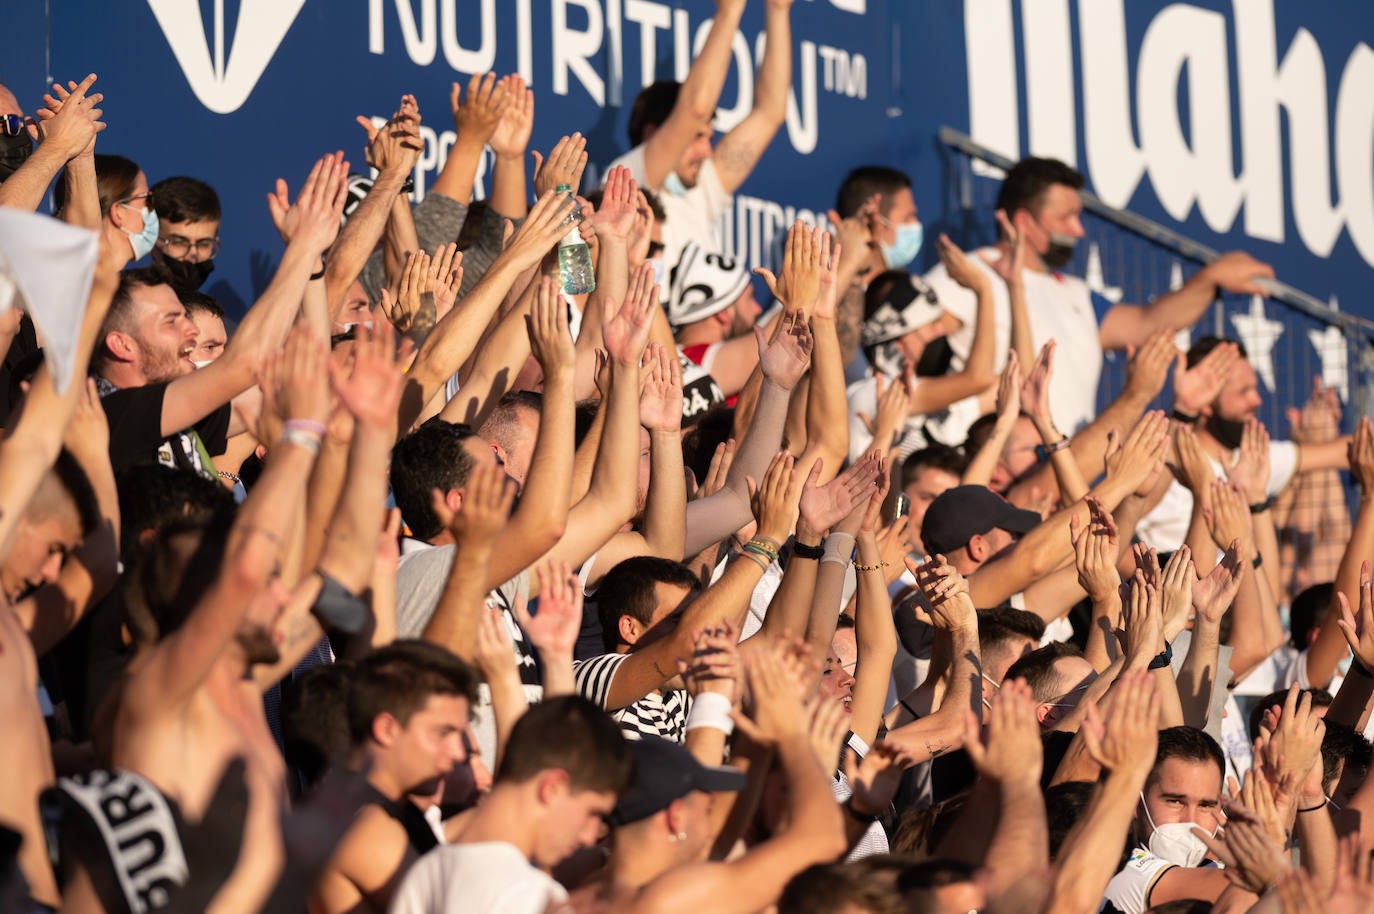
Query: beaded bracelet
[(876, 566)]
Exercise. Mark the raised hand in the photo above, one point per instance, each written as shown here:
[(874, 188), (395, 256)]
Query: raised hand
[(549, 220), (619, 205), (69, 119), (872, 517), (951, 607), (715, 664), (626, 329), (445, 278), (775, 499), (512, 133), (1149, 366), (314, 218), (641, 231), (894, 406), (776, 706), (294, 386), (719, 470), (1353, 892), (1360, 453), (1010, 752), (660, 402), (960, 267), (1250, 472), (1035, 392), (1009, 266), (1213, 594), (1193, 469), (547, 323), (1126, 742), (396, 145), (1253, 861), (554, 628), (786, 358), (1095, 549), (1176, 591), (874, 781), (854, 237), (1359, 630), (828, 725), (494, 654), (564, 165), (408, 300), (1141, 452), (827, 302), (1237, 271), (1294, 742), (799, 284), (1319, 420), (1228, 518), (485, 509), (477, 116), (1195, 388), (371, 391), (1142, 617)]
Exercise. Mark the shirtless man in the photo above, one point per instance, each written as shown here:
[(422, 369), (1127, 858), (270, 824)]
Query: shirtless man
[(41, 508), (203, 603), (408, 713)]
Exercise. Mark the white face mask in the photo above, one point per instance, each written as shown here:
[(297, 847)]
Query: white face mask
[(1175, 841), (203, 364)]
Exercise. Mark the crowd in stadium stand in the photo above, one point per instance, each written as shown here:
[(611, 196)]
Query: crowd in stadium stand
[(444, 582)]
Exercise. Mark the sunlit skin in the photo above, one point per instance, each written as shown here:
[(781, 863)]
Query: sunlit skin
[(1059, 212), (210, 336), (1074, 674), (128, 212), (1018, 455), (1182, 790), (197, 233), (929, 484), (37, 552)]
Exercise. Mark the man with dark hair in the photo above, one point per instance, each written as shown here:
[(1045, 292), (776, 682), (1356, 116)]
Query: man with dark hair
[(670, 129), (1005, 636), (1058, 676), (1182, 792), (512, 428), (839, 888), (563, 768), (925, 475), (408, 708), (941, 886), (1040, 208), (188, 215)]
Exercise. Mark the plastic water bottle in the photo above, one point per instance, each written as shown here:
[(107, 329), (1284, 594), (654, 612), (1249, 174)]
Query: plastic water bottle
[(574, 257)]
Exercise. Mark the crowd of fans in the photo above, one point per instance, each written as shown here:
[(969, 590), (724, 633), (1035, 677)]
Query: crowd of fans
[(430, 587)]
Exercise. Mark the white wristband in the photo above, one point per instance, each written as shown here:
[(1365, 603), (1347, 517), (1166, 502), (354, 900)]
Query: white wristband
[(711, 709), (839, 547)]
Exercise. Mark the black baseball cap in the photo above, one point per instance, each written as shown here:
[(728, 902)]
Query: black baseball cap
[(665, 771), (963, 512)]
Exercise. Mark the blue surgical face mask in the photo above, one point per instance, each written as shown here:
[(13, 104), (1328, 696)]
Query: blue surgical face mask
[(143, 242), (660, 271), (904, 246), (673, 185)]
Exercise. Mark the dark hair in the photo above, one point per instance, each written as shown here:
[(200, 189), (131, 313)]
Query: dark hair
[(865, 181), (651, 107), (115, 178), (1308, 611), (314, 719), (1014, 622), (1343, 743), (471, 229), (628, 590), (1037, 668), (584, 414), (1320, 699), (1189, 744), (183, 199), (399, 679), (571, 734), (170, 574), (431, 457), (1205, 344), (196, 300), (918, 881), (152, 495), (879, 289), (713, 429), (1181, 906), (120, 317), (1025, 185), (933, 456), (832, 888), (978, 433), (1064, 806)]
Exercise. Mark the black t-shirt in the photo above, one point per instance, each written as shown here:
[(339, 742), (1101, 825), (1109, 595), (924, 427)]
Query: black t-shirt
[(135, 418)]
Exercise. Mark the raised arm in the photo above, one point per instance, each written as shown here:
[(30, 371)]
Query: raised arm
[(984, 461), (696, 100), (62, 135), (310, 226), (740, 150), (875, 634), (1132, 325), (475, 118), (1197, 676), (934, 394), (509, 195)]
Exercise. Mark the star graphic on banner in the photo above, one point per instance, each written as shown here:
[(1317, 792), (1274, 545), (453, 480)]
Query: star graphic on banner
[(1331, 349), (1093, 277), (1258, 334), (1183, 339)]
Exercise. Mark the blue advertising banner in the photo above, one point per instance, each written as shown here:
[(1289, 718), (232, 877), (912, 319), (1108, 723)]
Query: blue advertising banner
[(1242, 124)]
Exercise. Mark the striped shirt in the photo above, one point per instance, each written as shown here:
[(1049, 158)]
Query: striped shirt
[(660, 713)]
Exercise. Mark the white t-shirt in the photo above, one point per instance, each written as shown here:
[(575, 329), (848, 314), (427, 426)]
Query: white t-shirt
[(695, 216), (1129, 891), (1166, 527), (1061, 308), (490, 876), (863, 398)]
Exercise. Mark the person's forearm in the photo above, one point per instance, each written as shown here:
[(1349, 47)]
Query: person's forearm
[(353, 532), (827, 408), (585, 458), (1333, 524), (727, 600), (556, 674), (1101, 648), (322, 496), (459, 173), (1072, 485), (1330, 647), (787, 612), (508, 705), (715, 517), (701, 90), (666, 504), (1020, 845), (1267, 546), (966, 669), (1247, 631), (399, 239), (494, 370), (508, 195), (1198, 673), (979, 469), (1182, 307), (455, 620), (26, 188), (1020, 322), (612, 279), (1084, 871), (775, 70), (83, 197), (811, 808), (617, 459), (315, 309), (359, 236), (825, 599), (1317, 846), (875, 638), (1351, 705)]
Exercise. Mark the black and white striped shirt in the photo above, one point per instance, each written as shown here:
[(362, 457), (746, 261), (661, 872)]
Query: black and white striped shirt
[(662, 713)]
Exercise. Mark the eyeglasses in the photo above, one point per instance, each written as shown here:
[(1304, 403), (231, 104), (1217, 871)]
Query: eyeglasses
[(11, 124), (146, 197), (177, 246)]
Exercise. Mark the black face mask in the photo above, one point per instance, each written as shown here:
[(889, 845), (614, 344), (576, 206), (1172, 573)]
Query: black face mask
[(1228, 432), (182, 274), (1060, 251), (14, 151)]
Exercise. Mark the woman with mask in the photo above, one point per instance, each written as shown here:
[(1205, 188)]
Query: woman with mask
[(126, 205)]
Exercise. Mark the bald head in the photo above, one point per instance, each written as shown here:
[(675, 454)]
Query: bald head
[(8, 103)]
